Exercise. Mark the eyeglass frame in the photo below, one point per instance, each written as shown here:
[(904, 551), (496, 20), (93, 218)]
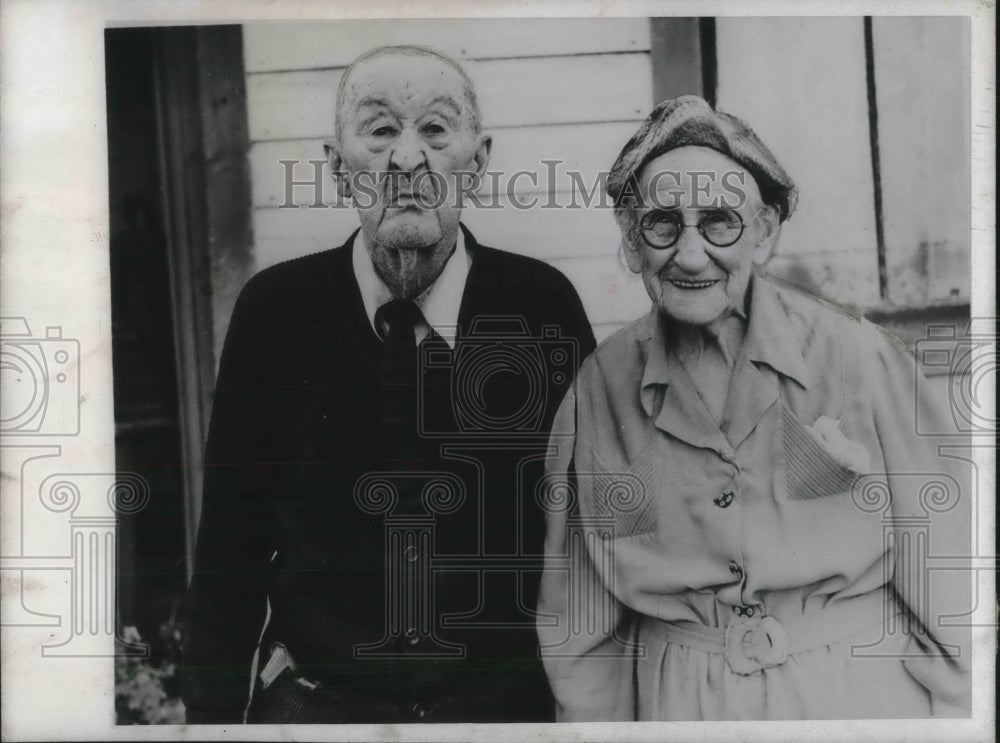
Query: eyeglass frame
[(699, 226)]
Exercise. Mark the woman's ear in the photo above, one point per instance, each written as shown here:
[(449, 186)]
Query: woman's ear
[(770, 234), (633, 257), (335, 159)]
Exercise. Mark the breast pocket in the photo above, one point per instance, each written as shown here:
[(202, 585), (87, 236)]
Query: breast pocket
[(811, 471), (628, 494)]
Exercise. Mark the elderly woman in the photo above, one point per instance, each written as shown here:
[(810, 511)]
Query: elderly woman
[(738, 518)]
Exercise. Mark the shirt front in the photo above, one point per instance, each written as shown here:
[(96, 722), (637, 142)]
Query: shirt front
[(439, 303)]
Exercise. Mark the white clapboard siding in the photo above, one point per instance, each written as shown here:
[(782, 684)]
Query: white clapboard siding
[(800, 83), (572, 90), (849, 277), (547, 234), (586, 149), (512, 92), (294, 46), (609, 291), (922, 89), (280, 234), (283, 234), (603, 329)]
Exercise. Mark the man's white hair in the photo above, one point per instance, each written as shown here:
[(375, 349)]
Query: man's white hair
[(412, 50)]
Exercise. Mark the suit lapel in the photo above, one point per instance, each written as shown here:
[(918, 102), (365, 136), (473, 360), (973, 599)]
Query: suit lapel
[(477, 285)]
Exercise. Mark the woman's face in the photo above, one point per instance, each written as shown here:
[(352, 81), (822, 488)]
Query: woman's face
[(694, 281)]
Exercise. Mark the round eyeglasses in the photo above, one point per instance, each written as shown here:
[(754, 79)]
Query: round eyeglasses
[(662, 228)]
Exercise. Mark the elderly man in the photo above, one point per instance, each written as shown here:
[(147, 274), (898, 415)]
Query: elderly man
[(749, 484), (369, 521)]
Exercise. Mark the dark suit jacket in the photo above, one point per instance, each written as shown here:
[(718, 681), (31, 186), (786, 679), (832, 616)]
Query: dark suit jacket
[(295, 514)]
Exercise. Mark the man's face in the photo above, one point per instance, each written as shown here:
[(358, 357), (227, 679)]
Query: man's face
[(405, 133), (694, 281)]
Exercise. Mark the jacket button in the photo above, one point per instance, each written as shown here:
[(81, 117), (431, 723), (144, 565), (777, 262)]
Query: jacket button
[(735, 569)]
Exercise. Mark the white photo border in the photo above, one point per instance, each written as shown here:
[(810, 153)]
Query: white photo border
[(54, 265)]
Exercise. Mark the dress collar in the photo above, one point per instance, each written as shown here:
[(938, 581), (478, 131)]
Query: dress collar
[(771, 339)]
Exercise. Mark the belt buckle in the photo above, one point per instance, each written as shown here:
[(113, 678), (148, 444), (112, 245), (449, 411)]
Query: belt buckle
[(755, 643)]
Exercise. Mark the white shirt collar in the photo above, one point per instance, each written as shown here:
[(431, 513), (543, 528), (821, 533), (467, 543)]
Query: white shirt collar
[(439, 303)]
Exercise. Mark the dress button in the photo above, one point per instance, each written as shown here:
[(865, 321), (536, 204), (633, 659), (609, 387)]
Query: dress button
[(725, 500), (735, 569), (411, 553)]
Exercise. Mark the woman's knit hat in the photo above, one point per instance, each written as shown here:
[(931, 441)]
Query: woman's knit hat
[(690, 121)]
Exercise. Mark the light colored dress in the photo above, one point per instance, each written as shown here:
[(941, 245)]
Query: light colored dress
[(704, 571)]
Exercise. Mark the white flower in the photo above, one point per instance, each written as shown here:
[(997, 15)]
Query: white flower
[(850, 454)]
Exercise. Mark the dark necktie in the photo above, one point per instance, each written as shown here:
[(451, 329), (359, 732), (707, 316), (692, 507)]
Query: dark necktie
[(399, 377)]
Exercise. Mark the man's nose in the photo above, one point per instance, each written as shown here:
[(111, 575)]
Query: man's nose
[(691, 256), (407, 152)]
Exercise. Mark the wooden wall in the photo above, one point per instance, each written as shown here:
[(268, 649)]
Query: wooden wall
[(576, 89), (803, 84), (568, 89), (800, 83), (922, 79)]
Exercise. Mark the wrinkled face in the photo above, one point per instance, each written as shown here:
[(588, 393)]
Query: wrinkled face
[(406, 134), (694, 281)]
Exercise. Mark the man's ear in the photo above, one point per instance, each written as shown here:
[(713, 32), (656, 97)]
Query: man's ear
[(335, 159), (482, 156), (770, 234)]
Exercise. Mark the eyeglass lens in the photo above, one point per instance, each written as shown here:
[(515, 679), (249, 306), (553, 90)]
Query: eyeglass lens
[(661, 229)]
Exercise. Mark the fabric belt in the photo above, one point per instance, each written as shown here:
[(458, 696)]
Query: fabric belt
[(751, 644)]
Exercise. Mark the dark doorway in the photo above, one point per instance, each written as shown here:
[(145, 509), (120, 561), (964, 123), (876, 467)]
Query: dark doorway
[(151, 543), (179, 207)]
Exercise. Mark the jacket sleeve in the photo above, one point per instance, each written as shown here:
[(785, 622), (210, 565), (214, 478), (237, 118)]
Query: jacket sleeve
[(931, 513), (582, 626), (226, 601), (578, 324)]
